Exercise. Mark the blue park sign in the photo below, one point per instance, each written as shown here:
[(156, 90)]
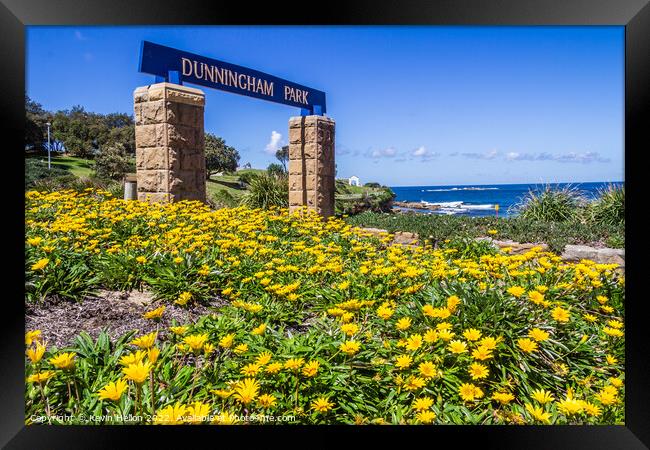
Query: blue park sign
[(177, 66)]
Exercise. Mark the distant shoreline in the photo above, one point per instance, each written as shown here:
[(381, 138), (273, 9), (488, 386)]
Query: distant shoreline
[(536, 183), (481, 200)]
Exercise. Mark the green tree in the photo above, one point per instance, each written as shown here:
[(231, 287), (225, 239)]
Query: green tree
[(276, 170), (282, 154), (113, 161), (219, 157), (35, 124), (74, 129), (121, 130), (84, 134)]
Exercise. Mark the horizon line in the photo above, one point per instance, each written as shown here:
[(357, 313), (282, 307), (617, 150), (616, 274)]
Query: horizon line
[(505, 184)]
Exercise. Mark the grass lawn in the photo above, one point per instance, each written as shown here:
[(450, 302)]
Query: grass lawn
[(229, 183), (77, 166), (215, 185)]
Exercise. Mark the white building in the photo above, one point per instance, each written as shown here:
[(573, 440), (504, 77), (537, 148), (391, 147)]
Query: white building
[(354, 181)]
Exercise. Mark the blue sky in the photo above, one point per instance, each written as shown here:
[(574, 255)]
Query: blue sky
[(413, 105)]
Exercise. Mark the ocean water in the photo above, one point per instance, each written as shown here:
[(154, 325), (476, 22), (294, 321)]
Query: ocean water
[(480, 200)]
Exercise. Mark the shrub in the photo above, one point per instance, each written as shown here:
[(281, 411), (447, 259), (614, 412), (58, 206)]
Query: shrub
[(275, 170), (469, 248), (223, 199), (219, 157), (78, 184), (438, 228), (550, 204), (113, 162), (609, 208), (36, 169), (246, 177), (377, 200), (56, 183), (266, 190)]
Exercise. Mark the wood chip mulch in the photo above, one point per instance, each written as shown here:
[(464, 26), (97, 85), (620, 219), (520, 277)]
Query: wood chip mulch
[(116, 312)]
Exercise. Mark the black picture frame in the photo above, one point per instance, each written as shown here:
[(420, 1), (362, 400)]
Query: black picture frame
[(633, 14)]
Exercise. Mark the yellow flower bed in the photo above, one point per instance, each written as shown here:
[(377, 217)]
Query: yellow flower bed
[(324, 323)]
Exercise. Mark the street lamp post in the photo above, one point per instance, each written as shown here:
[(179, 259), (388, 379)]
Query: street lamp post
[(49, 163)]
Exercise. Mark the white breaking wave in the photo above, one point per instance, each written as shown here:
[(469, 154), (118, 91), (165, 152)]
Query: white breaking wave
[(477, 206), (462, 189), (444, 204), (456, 206)]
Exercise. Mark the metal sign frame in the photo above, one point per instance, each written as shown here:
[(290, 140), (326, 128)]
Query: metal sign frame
[(177, 66)]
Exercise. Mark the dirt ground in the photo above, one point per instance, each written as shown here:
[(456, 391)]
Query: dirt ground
[(116, 312)]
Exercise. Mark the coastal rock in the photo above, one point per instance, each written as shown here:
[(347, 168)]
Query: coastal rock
[(400, 237), (376, 232), (406, 238), (516, 248), (416, 205), (576, 253)]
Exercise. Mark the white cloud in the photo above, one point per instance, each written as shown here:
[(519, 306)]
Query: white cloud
[(585, 158), (274, 144), (571, 157), (420, 151), (489, 155), (383, 153), (423, 153)]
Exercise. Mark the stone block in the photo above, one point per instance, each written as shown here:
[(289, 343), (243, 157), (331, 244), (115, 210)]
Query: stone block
[(295, 136), (153, 112), (182, 137), (184, 114), (192, 161), (311, 182), (295, 122), (296, 183), (325, 135), (141, 95), (154, 197), (153, 180), (151, 158), (191, 195), (325, 168), (311, 150), (137, 113), (176, 93), (326, 183), (312, 200), (310, 166), (153, 135), (311, 135), (310, 121), (187, 97), (296, 197), (295, 151), (295, 167), (183, 180)]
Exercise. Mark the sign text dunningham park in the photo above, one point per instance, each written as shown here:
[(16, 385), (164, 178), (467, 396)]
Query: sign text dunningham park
[(179, 66)]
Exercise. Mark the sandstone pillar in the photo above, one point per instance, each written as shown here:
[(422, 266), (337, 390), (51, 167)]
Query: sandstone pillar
[(311, 164), (170, 157)]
